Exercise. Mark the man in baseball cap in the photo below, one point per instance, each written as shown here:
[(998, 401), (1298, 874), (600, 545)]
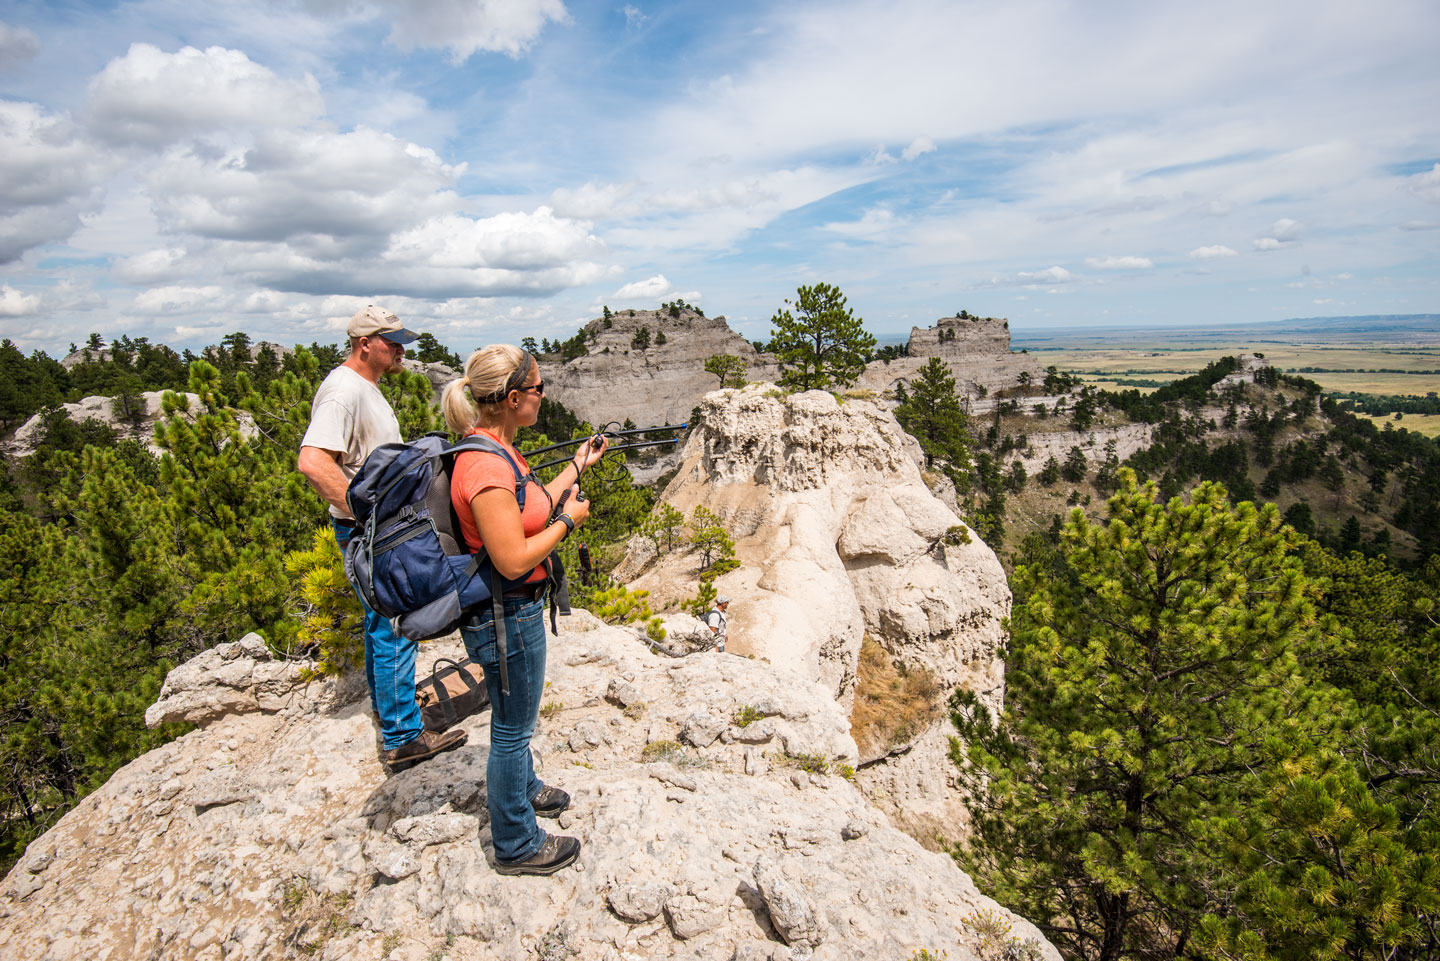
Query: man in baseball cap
[(349, 417)]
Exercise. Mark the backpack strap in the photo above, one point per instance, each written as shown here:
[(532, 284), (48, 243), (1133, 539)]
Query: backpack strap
[(486, 445)]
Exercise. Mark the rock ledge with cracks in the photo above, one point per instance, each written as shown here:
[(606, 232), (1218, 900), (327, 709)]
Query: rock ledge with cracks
[(276, 834)]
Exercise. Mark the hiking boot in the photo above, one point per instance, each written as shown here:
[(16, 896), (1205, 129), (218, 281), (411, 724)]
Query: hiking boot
[(427, 745), (554, 854), (550, 802)]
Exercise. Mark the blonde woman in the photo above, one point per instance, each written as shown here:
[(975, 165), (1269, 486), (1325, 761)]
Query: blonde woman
[(500, 392)]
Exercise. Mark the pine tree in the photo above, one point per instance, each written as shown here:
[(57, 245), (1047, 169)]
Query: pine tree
[(1341, 859), (823, 343), (1075, 465), (1299, 516), (729, 368), (664, 528), (1015, 480), (708, 536), (429, 350), (1150, 661), (1050, 473), (931, 413)]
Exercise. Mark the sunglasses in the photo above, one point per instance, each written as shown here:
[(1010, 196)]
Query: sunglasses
[(538, 387)]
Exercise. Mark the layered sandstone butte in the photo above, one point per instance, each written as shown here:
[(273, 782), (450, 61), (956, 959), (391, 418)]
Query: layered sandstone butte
[(975, 349), (660, 384)]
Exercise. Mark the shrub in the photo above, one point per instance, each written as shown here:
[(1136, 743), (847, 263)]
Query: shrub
[(661, 751), (620, 605), (329, 615), (747, 715)]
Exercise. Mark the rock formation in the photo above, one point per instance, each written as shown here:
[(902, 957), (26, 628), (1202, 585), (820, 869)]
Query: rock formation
[(838, 538), (660, 384), (271, 830), (28, 435), (1127, 438), (975, 349)]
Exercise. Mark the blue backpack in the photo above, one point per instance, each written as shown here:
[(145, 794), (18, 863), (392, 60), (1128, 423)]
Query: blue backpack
[(408, 558)]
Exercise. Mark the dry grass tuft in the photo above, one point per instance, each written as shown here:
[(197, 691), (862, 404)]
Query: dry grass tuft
[(893, 703)]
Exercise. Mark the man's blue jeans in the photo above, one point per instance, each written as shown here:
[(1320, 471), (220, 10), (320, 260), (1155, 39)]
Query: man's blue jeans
[(389, 667), (510, 782)]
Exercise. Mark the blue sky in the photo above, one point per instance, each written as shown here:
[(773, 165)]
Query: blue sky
[(492, 170)]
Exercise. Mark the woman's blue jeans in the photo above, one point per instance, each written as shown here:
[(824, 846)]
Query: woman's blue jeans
[(510, 782)]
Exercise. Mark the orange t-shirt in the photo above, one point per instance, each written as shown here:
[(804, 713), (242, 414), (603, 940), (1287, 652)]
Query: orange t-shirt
[(477, 471)]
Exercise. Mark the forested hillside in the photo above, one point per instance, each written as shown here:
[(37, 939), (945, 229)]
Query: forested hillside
[(1336, 477), (1221, 736)]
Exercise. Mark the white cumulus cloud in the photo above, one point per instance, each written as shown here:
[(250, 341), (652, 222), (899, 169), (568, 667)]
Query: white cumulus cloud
[(153, 266), (464, 27), (1286, 230), (875, 222), (511, 254), (651, 289), (1282, 233), (16, 303), (918, 147), (180, 300), (1120, 263), (1031, 278), (507, 241), (152, 97), (335, 193), (1212, 252), (49, 175)]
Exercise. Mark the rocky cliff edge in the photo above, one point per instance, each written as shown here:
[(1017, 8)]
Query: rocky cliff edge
[(271, 831)]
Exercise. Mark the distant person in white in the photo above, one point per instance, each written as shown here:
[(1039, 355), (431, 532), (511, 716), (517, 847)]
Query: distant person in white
[(715, 620)]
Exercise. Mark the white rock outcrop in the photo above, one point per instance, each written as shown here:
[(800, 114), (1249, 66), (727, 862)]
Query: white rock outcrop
[(838, 538), (659, 384), (28, 435), (615, 380), (1127, 438), (272, 835), (975, 349)]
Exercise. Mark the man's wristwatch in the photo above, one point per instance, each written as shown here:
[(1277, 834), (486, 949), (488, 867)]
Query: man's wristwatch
[(569, 523)]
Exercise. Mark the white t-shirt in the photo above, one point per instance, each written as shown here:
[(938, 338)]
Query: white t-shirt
[(716, 620), (349, 415)]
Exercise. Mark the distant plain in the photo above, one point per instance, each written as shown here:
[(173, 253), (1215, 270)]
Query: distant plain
[(1372, 355)]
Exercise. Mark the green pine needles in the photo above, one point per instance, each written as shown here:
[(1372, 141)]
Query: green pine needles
[(1174, 774), (822, 344)]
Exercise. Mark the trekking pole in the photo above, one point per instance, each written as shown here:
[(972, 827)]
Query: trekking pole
[(608, 433), (653, 443)]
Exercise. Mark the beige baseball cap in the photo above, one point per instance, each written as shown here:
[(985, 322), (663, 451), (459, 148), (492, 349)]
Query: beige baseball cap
[(373, 321)]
